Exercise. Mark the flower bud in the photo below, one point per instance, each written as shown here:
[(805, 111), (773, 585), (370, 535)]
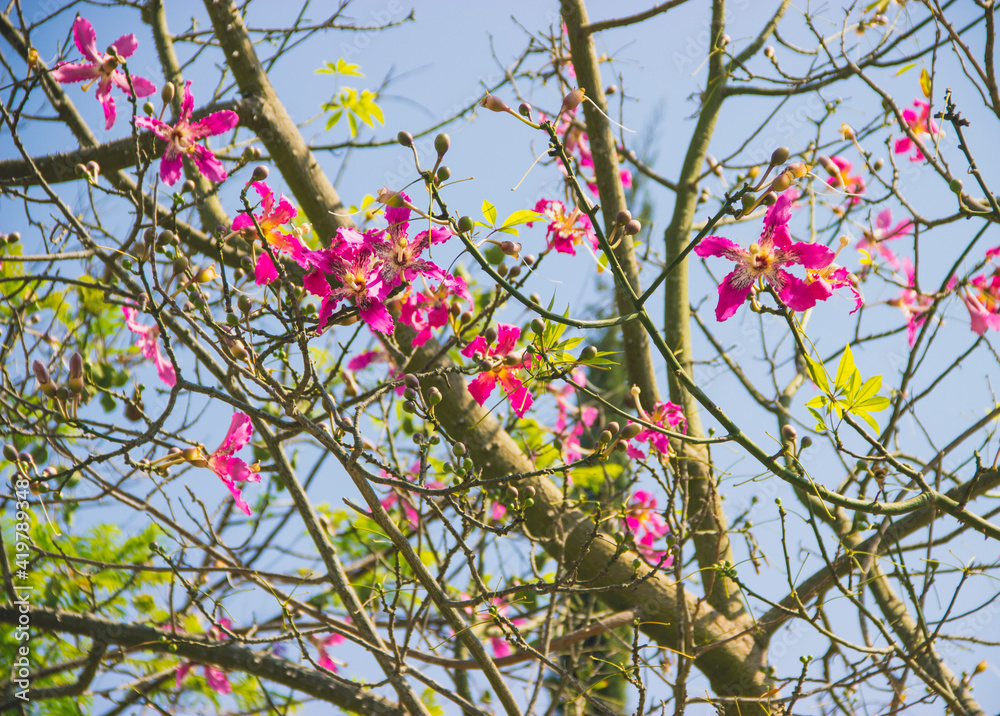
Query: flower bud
[(769, 199), (149, 109), (181, 264), (511, 248), (443, 174), (237, 348), (94, 169), (623, 217), (633, 227), (490, 334), (245, 304), (878, 164), (75, 380), (588, 353), (390, 198), (411, 381), (798, 169), (779, 156), (789, 433), (434, 397), (167, 92), (724, 40), (195, 457), (524, 109), (572, 100), (806, 443), (13, 237), (466, 224), (81, 170), (748, 200), (538, 326), (611, 89), (442, 143), (605, 437), (260, 173), (514, 359), (187, 187), (459, 449), (955, 185), (205, 275), (494, 104), (782, 181), (10, 452), (405, 138), (769, 52)]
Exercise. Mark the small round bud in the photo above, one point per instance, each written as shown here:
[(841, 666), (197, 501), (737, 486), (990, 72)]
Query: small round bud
[(630, 431), (13, 237), (613, 427), (588, 353), (724, 40), (434, 397), (955, 185), (465, 317), (181, 264), (789, 433), (455, 309), (459, 449), (260, 173), (409, 406), (166, 237), (511, 248), (538, 326), (418, 438), (632, 228), (535, 298), (10, 452), (443, 174), (769, 199), (494, 103), (149, 109), (611, 89), (205, 275), (244, 303), (529, 503), (187, 187), (466, 224), (246, 263), (237, 348), (806, 442), (405, 138), (167, 92), (502, 270), (81, 170), (490, 334), (878, 164), (93, 168), (748, 200), (409, 394), (524, 109), (411, 381), (780, 156), (512, 493), (605, 437), (232, 319), (442, 143), (514, 272), (529, 259), (769, 52), (624, 216), (513, 359), (41, 372)]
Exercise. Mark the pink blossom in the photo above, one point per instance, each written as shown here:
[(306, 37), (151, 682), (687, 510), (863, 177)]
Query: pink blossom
[(182, 140), (354, 264), (401, 255), (101, 68), (216, 679), (644, 521), (230, 469), (517, 395), (272, 216), (982, 299), (564, 230), (429, 310), (854, 186), (763, 260), (150, 346), (666, 415), (823, 282), (501, 647), (324, 659), (873, 240), (919, 123), (914, 305)]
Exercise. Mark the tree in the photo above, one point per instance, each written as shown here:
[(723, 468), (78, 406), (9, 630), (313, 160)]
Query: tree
[(551, 504)]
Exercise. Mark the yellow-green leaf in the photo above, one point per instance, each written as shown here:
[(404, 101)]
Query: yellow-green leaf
[(905, 68), (818, 402), (523, 216), (818, 373), (490, 213), (925, 82), (870, 388), (874, 405), (340, 67), (845, 369), (871, 421)]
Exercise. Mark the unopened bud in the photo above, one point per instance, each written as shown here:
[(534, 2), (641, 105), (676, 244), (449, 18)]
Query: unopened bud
[(10, 452), (149, 109), (411, 381), (748, 200), (466, 224), (588, 353), (955, 185), (779, 156), (605, 437), (623, 217), (789, 433), (238, 350), (443, 174), (494, 104), (511, 248), (167, 92), (94, 169), (630, 431), (633, 227), (442, 143), (405, 139), (769, 52), (572, 100), (782, 181), (260, 173), (769, 199), (524, 109), (806, 443), (205, 275), (514, 359), (41, 372), (490, 334), (75, 381), (434, 397)]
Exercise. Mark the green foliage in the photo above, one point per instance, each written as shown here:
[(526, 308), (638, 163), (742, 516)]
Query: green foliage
[(849, 394), (521, 216), (357, 106)]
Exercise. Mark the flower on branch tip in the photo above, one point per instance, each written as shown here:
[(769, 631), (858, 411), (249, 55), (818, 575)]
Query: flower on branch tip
[(872, 241), (645, 522), (182, 140), (272, 216), (853, 186), (148, 344), (230, 469), (919, 122), (497, 355), (400, 254), (764, 260), (565, 231), (666, 415), (216, 678), (102, 68), (981, 296), (913, 304), (323, 644), (824, 281)]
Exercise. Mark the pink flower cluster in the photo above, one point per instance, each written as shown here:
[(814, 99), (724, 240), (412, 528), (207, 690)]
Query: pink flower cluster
[(182, 138), (497, 349), (874, 241), (216, 679), (666, 415), (764, 261)]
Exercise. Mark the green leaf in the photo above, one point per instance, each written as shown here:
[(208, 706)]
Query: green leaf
[(870, 388), (845, 369), (818, 373), (522, 216), (334, 118), (341, 67), (905, 68), (490, 213), (874, 405), (870, 420)]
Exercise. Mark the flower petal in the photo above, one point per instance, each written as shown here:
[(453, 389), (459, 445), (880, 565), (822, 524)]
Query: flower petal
[(238, 435), (72, 72), (482, 385), (126, 45), (86, 40), (719, 246), (733, 292), (215, 123), (208, 164)]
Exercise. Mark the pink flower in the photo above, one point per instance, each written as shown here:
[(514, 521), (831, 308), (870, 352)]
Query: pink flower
[(182, 140), (565, 230), (666, 415), (354, 264), (872, 241), (913, 304), (763, 260), (270, 219), (854, 186), (823, 282), (648, 525), (501, 647), (430, 310), (982, 298), (230, 469), (919, 124), (217, 680), (504, 367), (150, 346), (324, 659), (401, 255), (102, 68)]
